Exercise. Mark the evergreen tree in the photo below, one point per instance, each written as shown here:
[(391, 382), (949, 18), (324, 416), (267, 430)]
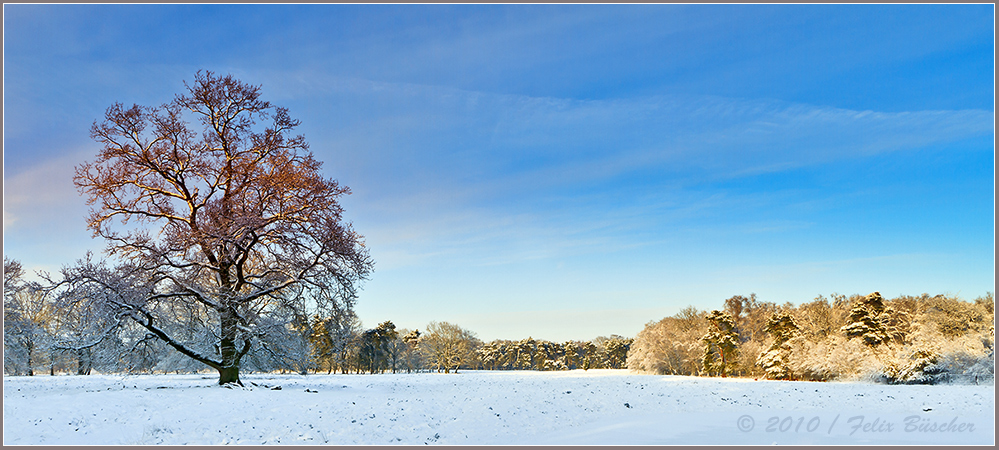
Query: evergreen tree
[(776, 360), (590, 359), (722, 344), (376, 354), (387, 337), (412, 354), (570, 355), (874, 323), (508, 358), (525, 352), (490, 355), (616, 352)]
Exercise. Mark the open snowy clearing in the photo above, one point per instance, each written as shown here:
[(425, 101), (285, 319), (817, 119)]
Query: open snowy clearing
[(576, 407)]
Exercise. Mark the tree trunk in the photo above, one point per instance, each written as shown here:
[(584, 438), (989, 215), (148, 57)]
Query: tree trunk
[(229, 375), (31, 371), (229, 369), (84, 361)]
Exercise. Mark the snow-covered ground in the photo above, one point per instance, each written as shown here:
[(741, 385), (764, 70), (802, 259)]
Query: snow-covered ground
[(576, 407)]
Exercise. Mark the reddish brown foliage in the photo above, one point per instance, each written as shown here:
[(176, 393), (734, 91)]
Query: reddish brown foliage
[(227, 215)]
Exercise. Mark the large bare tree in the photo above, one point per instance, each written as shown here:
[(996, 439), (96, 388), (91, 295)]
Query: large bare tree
[(221, 219)]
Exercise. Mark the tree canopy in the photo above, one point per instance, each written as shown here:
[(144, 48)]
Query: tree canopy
[(226, 224)]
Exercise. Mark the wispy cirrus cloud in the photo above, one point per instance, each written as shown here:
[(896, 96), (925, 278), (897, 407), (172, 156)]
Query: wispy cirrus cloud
[(512, 134), (450, 171)]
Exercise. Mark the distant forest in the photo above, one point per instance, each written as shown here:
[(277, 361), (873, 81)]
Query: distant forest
[(924, 339), (51, 331), (913, 340)]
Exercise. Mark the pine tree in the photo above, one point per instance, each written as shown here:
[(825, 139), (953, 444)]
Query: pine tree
[(589, 356), (490, 355), (776, 360), (525, 354), (616, 352), (387, 336), (570, 355), (874, 322), (412, 355), (722, 344)]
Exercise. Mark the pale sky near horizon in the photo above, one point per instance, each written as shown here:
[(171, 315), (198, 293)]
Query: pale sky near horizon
[(563, 171)]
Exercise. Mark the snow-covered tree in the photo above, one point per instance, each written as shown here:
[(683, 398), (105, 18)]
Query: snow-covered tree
[(901, 340), (545, 355), (590, 356), (333, 337), (874, 323), (954, 317), (283, 340), (671, 346), (26, 339), (85, 330), (30, 323), (447, 346), (374, 354), (570, 355), (392, 345), (821, 317), (615, 352), (776, 361), (219, 221), (491, 355), (411, 356), (525, 353), (722, 344)]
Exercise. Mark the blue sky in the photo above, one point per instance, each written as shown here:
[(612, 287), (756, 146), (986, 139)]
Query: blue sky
[(560, 171)]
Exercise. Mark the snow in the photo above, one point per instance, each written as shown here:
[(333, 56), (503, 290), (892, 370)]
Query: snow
[(487, 407)]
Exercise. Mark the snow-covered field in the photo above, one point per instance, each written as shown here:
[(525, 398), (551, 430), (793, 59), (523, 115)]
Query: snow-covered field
[(576, 407)]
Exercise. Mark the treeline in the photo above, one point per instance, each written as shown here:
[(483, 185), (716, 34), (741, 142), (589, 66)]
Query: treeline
[(908, 339), (345, 347), (529, 354), (45, 333), (446, 347)]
